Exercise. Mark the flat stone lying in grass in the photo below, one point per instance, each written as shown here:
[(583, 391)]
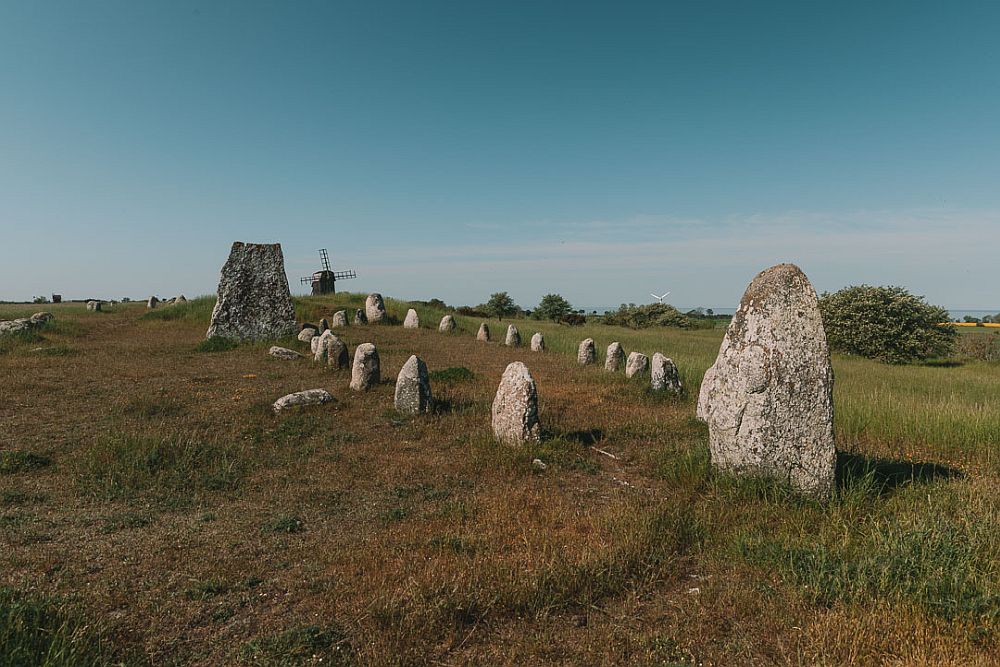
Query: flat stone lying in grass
[(484, 333), (339, 319), (302, 398), (637, 364), (374, 308), (664, 375), (254, 301), (307, 334), (614, 358), (360, 317), (447, 324), (366, 372), (284, 353), (23, 324), (586, 354), (513, 338), (38, 319), (412, 320), (538, 342), (768, 399), (413, 387), (515, 407)]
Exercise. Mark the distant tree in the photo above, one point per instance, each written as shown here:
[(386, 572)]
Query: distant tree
[(969, 319), (649, 315), (552, 307), (709, 312), (500, 305), (885, 323), (40, 299)]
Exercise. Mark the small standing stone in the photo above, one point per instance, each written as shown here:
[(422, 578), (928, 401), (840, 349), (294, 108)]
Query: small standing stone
[(38, 319), (307, 334), (331, 350), (366, 372), (94, 306), (412, 320), (323, 325), (515, 408), (153, 302), (637, 364), (665, 375), (447, 324), (314, 343), (180, 299), (586, 354), (614, 358), (413, 388), (284, 353), (307, 397), (513, 338), (374, 308), (538, 342), (339, 319), (484, 333), (360, 317)]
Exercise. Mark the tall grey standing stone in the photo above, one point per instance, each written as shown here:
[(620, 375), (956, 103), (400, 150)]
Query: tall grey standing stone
[(614, 358), (515, 407), (484, 333), (768, 399), (338, 320), (538, 342), (413, 388), (447, 324), (637, 364), (664, 375), (360, 317), (366, 372), (513, 338), (153, 302), (374, 308), (412, 320), (254, 301), (586, 354)]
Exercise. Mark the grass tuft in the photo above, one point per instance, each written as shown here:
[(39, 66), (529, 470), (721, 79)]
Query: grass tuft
[(311, 644), (16, 461), (453, 374), (216, 344)]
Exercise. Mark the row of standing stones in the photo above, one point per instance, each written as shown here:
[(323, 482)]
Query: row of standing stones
[(767, 399)]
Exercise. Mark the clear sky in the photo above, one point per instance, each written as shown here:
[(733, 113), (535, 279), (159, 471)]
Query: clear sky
[(454, 149)]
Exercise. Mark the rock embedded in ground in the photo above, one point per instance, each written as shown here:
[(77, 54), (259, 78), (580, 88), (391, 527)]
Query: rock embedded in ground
[(284, 353), (339, 319), (614, 358), (637, 364), (664, 375), (180, 299), (307, 334), (412, 320), (768, 398), (302, 398), (374, 308), (515, 407), (366, 372), (447, 324), (538, 342), (38, 319), (513, 338), (484, 333), (586, 353), (253, 297), (10, 327), (360, 317), (413, 388)]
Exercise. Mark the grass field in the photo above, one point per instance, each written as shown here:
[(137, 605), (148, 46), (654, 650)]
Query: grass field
[(153, 509)]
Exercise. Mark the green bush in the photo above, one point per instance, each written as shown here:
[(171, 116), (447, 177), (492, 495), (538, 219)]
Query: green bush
[(649, 315), (552, 307), (885, 323)]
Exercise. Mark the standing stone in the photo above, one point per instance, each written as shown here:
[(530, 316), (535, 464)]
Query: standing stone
[(374, 308), (339, 319), (366, 373), (665, 375), (447, 324), (307, 397), (331, 350), (515, 408), (513, 338), (323, 325), (586, 354), (94, 306), (180, 299), (153, 302), (307, 334), (38, 319), (284, 353), (254, 300), (484, 333), (538, 342), (360, 317), (314, 344), (412, 320), (637, 364), (614, 358), (768, 399), (413, 388)]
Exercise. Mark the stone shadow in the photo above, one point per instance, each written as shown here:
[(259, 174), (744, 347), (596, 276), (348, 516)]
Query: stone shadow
[(888, 475)]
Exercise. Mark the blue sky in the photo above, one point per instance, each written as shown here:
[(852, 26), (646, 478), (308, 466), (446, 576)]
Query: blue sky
[(454, 149)]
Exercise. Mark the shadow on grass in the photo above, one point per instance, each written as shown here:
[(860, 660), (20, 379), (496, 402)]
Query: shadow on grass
[(885, 475), (585, 438)]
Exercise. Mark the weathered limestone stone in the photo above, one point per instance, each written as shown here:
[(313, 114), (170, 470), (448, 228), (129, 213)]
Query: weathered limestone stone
[(331, 350), (20, 325), (284, 353), (360, 317), (307, 397), (94, 306), (153, 302), (513, 338), (412, 320), (374, 308), (180, 299), (637, 364), (38, 319), (586, 354), (538, 342), (484, 333), (339, 319), (413, 388), (323, 325), (664, 375), (515, 408), (614, 358), (254, 301), (314, 344), (307, 334), (366, 372), (768, 399), (447, 324)]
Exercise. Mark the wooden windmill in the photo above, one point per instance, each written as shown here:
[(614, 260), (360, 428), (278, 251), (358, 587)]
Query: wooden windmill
[(325, 280)]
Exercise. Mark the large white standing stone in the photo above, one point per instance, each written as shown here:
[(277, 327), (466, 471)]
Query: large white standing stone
[(300, 398), (515, 408), (412, 320), (484, 333), (538, 342), (768, 399), (413, 388), (366, 372), (374, 308), (637, 364), (254, 301), (513, 338), (339, 319), (664, 375), (586, 354), (447, 324), (614, 358)]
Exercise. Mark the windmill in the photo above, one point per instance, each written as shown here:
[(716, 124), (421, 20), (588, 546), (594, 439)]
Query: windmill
[(659, 299), (325, 280)]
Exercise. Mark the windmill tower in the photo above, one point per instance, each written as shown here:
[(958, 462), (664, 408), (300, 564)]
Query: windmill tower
[(325, 280)]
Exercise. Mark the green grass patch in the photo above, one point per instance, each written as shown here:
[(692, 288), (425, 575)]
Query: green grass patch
[(17, 461), (217, 344), (285, 524), (453, 374), (195, 310), (309, 645)]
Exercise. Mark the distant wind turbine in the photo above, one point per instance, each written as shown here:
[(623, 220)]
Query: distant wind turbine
[(659, 298)]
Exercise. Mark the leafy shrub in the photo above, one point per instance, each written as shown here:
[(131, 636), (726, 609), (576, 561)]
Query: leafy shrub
[(885, 323), (552, 307), (649, 315)]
